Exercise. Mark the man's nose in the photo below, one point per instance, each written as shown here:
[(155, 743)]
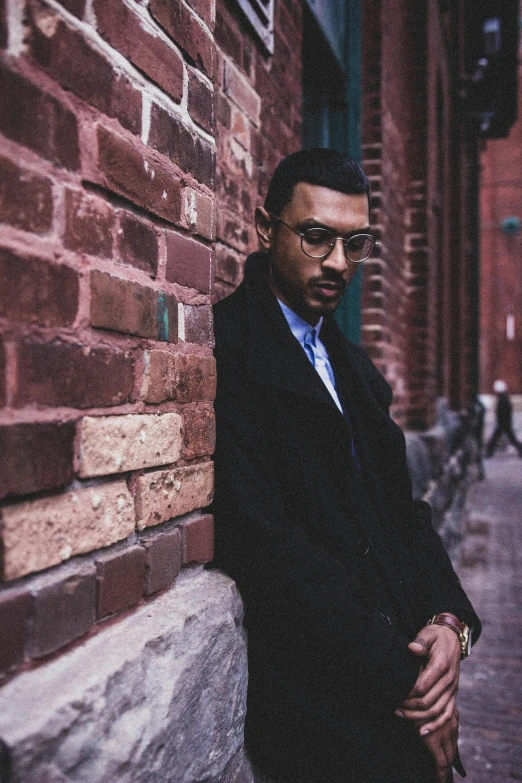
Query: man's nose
[(336, 258)]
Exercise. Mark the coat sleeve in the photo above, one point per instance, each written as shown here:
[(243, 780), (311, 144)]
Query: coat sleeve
[(442, 589), (295, 592)]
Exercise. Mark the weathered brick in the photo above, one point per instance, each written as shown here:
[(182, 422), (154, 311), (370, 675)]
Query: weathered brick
[(26, 200), (123, 306), (241, 92), (69, 58), (63, 609), (89, 224), (76, 7), (123, 29), (198, 325), (41, 533), (201, 102), (171, 138), (138, 243), (126, 104), (234, 230), (37, 120), (36, 291), (66, 374), (189, 262), (14, 612), (227, 39), (199, 433), (199, 212), (165, 494), (35, 457), (206, 10), (198, 539), (120, 580), (144, 182), (229, 264), (182, 377), (115, 444), (162, 558), (3, 24), (3, 372), (186, 30), (223, 111)]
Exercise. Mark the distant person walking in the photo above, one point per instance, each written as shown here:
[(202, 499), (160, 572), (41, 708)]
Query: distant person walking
[(504, 420)]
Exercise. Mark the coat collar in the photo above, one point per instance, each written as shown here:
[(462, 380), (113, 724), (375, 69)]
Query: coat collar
[(275, 356)]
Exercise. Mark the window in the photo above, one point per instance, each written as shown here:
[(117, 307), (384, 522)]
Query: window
[(260, 14)]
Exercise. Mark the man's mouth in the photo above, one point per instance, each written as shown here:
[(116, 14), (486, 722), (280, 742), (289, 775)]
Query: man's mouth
[(329, 289)]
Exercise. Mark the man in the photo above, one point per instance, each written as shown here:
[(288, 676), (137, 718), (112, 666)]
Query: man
[(339, 569), (504, 414)]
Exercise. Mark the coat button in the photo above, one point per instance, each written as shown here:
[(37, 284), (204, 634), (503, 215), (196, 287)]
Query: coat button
[(363, 546)]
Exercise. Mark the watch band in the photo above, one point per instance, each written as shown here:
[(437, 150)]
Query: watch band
[(461, 629)]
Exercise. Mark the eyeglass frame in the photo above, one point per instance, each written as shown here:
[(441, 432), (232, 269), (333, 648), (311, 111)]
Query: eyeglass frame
[(344, 240)]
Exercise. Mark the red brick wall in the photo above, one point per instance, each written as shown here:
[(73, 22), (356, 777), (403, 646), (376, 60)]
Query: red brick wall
[(107, 176), (258, 122), (500, 263)]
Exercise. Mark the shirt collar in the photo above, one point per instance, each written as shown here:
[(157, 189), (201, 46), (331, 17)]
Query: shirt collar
[(298, 326)]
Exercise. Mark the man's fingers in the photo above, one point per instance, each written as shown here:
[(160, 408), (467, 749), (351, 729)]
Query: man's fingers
[(419, 646)]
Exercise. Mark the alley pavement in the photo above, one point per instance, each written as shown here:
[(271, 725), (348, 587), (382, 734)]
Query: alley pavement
[(490, 698)]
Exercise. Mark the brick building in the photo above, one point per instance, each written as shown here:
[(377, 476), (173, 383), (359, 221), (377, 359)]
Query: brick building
[(136, 138), (501, 254)]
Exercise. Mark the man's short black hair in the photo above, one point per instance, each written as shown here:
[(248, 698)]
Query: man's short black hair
[(325, 167)]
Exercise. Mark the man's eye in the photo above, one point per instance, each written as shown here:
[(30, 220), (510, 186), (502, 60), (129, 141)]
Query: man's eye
[(357, 242), (317, 236)]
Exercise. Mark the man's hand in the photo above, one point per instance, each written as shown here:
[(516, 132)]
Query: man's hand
[(442, 744), (431, 702)]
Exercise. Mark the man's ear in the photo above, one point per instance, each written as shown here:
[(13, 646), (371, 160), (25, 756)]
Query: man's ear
[(264, 228)]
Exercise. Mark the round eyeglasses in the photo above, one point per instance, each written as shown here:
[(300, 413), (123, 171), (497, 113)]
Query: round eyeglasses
[(319, 242)]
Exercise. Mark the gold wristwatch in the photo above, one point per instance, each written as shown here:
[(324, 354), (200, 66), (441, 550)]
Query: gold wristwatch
[(461, 629)]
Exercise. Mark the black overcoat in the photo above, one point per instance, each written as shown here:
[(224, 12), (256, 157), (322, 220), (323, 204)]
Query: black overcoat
[(337, 565)]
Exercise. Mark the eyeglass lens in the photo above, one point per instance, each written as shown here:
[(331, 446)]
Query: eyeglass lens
[(318, 242)]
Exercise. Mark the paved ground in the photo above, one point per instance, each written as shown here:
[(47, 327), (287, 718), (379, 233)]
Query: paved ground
[(490, 699)]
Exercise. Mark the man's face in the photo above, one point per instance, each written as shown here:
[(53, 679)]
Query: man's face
[(312, 287)]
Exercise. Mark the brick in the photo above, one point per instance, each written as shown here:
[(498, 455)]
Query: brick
[(138, 244), (3, 373), (124, 30), (75, 7), (131, 308), (38, 121), (26, 200), (63, 610), (229, 265), (171, 138), (162, 559), (126, 104), (3, 24), (189, 263), (144, 182), (201, 102), (198, 539), (120, 580), (241, 92), (223, 111), (71, 375), (116, 444), (14, 612), (206, 10), (37, 292), (180, 377), (165, 494), (198, 325), (41, 533), (35, 457), (186, 30), (199, 212), (233, 230), (66, 55), (199, 433), (89, 224), (227, 39)]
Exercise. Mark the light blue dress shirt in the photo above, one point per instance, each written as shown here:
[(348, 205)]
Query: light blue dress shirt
[(308, 338)]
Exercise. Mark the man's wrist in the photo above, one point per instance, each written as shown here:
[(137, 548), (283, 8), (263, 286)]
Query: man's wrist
[(461, 629)]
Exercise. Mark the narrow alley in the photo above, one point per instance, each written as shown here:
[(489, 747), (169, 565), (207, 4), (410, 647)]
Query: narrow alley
[(490, 699)]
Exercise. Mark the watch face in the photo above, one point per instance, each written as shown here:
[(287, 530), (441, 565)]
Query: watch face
[(466, 641)]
